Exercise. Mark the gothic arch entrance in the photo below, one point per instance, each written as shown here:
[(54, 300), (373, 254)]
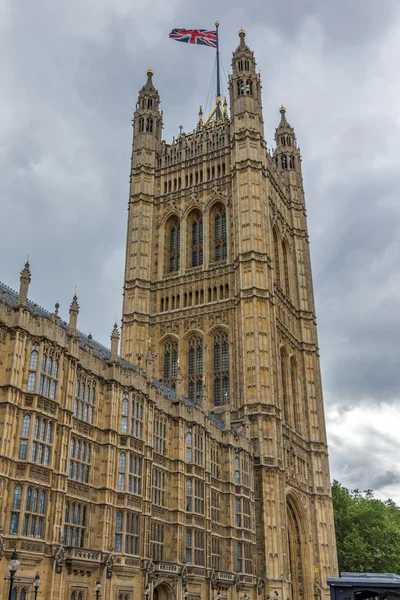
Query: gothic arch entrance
[(295, 554), (163, 592)]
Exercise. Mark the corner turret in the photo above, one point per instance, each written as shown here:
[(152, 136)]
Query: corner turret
[(287, 154), (245, 87), (147, 120)]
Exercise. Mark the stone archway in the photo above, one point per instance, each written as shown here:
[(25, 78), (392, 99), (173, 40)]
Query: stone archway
[(163, 591), (295, 554)]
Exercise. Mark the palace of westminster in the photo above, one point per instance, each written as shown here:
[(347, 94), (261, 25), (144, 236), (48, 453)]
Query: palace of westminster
[(190, 460)]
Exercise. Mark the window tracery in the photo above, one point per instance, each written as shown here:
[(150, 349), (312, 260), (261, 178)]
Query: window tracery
[(221, 369)]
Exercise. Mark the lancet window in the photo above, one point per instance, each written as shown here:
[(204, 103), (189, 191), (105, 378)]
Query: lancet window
[(75, 524), (221, 369), (195, 368), (197, 240), (219, 235), (127, 530), (171, 363), (173, 245)]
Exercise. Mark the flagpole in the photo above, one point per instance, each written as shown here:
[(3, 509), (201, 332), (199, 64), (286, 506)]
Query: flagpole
[(218, 75)]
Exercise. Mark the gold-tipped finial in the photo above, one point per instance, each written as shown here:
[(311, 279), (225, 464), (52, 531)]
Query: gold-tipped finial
[(216, 23), (241, 32), (282, 109), (150, 72)]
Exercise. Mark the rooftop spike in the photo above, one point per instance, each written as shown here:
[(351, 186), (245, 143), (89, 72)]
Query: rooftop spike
[(73, 314), (114, 342), (25, 280)]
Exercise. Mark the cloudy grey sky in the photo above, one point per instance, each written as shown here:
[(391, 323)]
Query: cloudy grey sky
[(69, 80)]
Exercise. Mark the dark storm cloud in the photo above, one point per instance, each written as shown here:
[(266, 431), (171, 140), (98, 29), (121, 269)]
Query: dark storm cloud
[(69, 86)]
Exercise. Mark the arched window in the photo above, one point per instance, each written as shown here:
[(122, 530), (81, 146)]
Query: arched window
[(196, 222), (240, 88), (149, 125), (189, 446), (33, 525), (14, 595), (16, 507), (286, 413), (33, 364), (291, 162), (249, 87), (295, 400), (284, 161), (23, 595), (276, 257), (124, 413), (23, 443), (80, 596), (195, 370), (285, 267), (173, 245), (75, 525), (189, 495), (221, 369), (218, 236), (171, 363)]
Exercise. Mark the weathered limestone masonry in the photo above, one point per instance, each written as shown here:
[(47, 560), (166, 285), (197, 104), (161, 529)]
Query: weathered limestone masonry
[(195, 464)]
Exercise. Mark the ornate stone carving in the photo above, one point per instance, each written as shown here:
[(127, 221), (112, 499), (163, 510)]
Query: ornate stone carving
[(59, 557), (109, 566)]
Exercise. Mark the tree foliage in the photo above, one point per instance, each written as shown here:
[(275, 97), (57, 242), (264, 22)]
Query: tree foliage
[(367, 531)]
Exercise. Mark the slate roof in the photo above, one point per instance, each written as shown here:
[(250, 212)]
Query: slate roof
[(10, 297)]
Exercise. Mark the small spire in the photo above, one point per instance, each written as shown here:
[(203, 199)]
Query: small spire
[(56, 307), (242, 35), (114, 342), (73, 314), (25, 280)]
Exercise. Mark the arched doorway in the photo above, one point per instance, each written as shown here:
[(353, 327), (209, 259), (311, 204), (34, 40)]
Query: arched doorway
[(295, 555), (163, 591)]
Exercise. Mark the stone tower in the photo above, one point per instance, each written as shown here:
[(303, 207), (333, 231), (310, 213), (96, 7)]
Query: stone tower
[(218, 289)]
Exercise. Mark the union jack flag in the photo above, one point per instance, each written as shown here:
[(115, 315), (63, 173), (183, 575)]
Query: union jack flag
[(195, 36)]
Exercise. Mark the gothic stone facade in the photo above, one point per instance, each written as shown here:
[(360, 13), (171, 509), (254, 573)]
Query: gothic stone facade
[(195, 464)]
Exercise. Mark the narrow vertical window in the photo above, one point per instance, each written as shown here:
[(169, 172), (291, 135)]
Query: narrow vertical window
[(293, 375), (171, 363), (276, 258), (189, 447), (197, 241), (23, 443), (174, 245), (286, 268), (221, 369), (286, 414), (33, 364), (195, 369), (220, 241)]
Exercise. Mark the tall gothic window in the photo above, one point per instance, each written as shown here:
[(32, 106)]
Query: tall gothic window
[(79, 463), (197, 240), (219, 237), (174, 245), (221, 369), (157, 541), (195, 370), (35, 505), (24, 439), (127, 530), (295, 401), (160, 435), (240, 88), (49, 375), (130, 473), (75, 524), (276, 257), (285, 268), (42, 442), (85, 394), (286, 413), (132, 416), (33, 364), (171, 363), (15, 510)]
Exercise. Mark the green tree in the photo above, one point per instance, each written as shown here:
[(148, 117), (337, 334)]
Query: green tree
[(367, 531)]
